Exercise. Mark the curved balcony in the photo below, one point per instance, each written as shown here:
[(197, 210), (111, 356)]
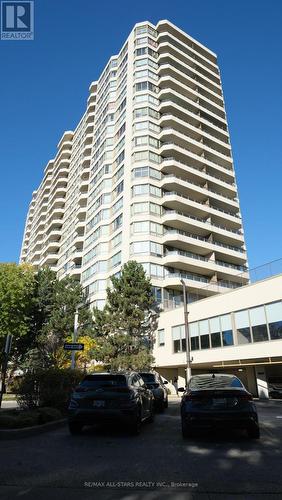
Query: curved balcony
[(171, 165), (175, 201), (182, 221), (181, 185)]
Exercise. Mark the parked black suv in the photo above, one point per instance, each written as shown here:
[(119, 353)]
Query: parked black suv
[(217, 401), (111, 397), (154, 382)]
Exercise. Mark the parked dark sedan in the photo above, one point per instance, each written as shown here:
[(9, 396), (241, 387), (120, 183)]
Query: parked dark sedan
[(217, 401), (108, 398), (154, 382)]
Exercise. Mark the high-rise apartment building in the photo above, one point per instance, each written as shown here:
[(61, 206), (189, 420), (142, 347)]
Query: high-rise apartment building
[(147, 175)]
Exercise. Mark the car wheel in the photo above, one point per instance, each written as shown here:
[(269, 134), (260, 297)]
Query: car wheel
[(135, 425), (253, 432), (185, 431), (75, 427), (166, 403), (161, 406)]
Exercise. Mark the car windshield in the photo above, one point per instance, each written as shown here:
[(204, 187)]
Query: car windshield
[(148, 377), (96, 381), (214, 382)]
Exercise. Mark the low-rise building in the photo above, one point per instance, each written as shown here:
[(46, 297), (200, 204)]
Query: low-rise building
[(238, 332)]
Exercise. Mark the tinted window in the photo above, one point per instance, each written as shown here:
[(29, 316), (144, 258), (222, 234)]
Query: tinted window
[(96, 381), (148, 377), (217, 382)]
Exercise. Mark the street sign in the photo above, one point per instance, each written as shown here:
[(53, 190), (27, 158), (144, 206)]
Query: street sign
[(73, 346)]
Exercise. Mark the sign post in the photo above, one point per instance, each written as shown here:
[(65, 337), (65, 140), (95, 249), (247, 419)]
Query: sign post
[(73, 346)]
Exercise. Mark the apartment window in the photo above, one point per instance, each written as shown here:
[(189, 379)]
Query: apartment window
[(141, 62), (116, 240), (156, 270), (139, 247), (154, 157), (115, 260), (161, 338), (194, 336), (139, 208), (141, 51), (141, 74), (140, 41), (178, 338), (141, 140), (140, 112), (242, 323), (140, 189), (141, 126), (258, 323), (140, 155), (139, 86), (119, 188), (226, 328), (141, 227), (117, 222), (215, 332), (117, 206), (204, 334), (155, 174), (274, 318), (157, 292), (156, 228), (141, 172)]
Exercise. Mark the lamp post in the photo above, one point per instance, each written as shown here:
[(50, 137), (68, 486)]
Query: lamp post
[(186, 326), (74, 336)]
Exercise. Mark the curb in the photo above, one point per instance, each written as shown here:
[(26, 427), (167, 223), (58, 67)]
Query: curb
[(31, 431)]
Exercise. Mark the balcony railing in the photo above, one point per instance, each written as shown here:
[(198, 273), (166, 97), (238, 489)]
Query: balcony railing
[(197, 184), (185, 254), (197, 115), (201, 238), (201, 144), (188, 276), (203, 158), (171, 193), (238, 231), (172, 158)]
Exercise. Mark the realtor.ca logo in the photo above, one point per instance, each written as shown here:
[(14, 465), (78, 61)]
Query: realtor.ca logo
[(17, 20)]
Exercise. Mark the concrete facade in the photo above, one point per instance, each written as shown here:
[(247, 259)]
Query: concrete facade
[(146, 175), (252, 351)]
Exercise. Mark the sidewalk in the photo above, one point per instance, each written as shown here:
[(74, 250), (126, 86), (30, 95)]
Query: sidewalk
[(9, 404)]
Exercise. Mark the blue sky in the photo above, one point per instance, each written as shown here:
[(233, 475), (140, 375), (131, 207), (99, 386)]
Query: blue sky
[(44, 86)]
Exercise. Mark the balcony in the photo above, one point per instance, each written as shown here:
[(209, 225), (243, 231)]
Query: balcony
[(171, 134), (171, 165), (175, 201), (201, 192), (202, 227)]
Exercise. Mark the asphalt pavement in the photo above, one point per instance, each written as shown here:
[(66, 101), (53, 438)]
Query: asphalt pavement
[(157, 464)]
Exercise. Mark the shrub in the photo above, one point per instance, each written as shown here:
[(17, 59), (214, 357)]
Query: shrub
[(18, 419), (49, 415), (47, 388)]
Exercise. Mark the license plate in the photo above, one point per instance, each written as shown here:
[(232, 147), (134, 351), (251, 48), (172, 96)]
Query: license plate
[(219, 401), (98, 404)]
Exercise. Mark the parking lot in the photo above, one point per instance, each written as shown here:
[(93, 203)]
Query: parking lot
[(103, 463)]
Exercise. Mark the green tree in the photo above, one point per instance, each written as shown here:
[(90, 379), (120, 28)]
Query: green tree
[(51, 306), (124, 329), (17, 284), (55, 305)]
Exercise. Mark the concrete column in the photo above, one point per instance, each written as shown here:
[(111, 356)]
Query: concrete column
[(261, 382), (251, 379)]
